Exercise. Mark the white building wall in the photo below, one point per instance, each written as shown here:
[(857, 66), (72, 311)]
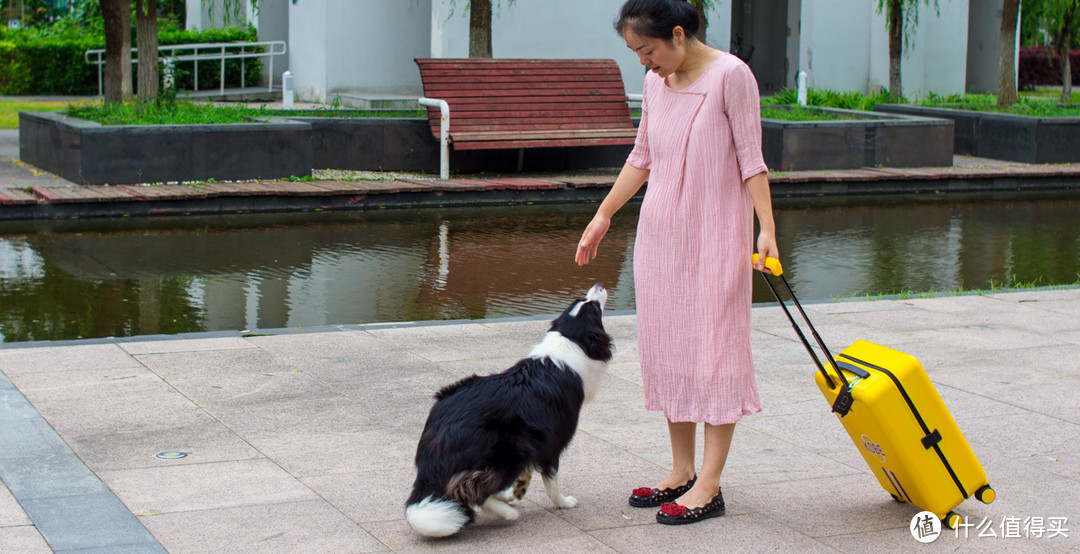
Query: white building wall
[(308, 49), (272, 21), (371, 45), (844, 45), (983, 46), (936, 61), (554, 29), (346, 46), (835, 44)]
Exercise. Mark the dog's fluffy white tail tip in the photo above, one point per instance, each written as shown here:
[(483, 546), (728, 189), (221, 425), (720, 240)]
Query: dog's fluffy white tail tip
[(436, 518)]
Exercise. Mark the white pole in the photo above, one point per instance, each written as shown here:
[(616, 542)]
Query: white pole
[(286, 90), (800, 84)]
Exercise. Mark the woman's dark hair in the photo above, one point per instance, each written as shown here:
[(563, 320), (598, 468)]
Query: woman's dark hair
[(657, 18)]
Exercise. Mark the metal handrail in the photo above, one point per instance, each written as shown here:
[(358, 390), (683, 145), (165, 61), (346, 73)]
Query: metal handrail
[(219, 51)]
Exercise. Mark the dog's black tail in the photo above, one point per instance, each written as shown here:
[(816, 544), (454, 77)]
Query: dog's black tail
[(436, 513)]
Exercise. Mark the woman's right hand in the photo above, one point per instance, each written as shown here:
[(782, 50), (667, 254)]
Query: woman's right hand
[(590, 239)]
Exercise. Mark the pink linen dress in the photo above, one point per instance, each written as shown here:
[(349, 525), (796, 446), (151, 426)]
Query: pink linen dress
[(692, 272)]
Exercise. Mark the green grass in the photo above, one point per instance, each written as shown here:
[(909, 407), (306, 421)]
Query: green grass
[(9, 109), (1050, 93), (166, 112), (1041, 102), (992, 286)]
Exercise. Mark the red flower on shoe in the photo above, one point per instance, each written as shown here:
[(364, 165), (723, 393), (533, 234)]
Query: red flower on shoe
[(672, 509), (643, 491)]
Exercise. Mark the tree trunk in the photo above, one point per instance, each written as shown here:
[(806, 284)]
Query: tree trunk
[(147, 39), (895, 17), (1006, 89), (703, 24), (479, 28), (116, 15), (1062, 44)]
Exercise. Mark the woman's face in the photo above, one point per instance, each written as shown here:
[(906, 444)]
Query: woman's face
[(661, 56)]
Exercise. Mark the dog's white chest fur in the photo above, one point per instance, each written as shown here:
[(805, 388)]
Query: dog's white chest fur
[(569, 355)]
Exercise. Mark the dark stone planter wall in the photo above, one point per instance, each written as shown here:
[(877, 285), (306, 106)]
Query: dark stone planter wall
[(89, 153), (1004, 136), (873, 140), (390, 144)]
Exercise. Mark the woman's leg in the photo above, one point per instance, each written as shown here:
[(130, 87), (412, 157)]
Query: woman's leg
[(683, 438), (717, 444)]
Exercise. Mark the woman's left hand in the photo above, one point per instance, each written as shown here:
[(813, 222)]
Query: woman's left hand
[(766, 247)]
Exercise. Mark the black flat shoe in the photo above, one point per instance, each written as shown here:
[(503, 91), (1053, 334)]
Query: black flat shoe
[(645, 497), (676, 514)]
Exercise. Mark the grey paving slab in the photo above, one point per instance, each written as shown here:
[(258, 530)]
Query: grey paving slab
[(188, 345), (181, 488), (89, 521), (734, 533), (311, 526), (15, 361), (24, 539), (11, 514), (92, 384), (366, 496), (535, 526), (900, 541), (305, 455)]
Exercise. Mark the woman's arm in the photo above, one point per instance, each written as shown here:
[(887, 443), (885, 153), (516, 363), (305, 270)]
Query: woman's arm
[(758, 187), (626, 186)]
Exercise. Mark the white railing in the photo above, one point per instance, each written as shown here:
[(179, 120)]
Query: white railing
[(213, 51)]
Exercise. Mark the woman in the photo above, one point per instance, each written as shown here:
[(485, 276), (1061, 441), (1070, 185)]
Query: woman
[(699, 146)]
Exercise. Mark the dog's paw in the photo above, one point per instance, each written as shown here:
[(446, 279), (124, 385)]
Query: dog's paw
[(499, 508), (566, 502), (507, 495)]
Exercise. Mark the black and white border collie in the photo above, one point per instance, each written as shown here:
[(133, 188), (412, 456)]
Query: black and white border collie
[(486, 435)]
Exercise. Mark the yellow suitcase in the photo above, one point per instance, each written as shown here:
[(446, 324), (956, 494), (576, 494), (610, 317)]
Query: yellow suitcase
[(895, 417)]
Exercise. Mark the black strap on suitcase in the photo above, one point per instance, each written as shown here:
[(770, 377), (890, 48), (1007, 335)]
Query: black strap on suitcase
[(842, 405)]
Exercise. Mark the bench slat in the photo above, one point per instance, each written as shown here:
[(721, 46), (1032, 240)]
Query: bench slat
[(511, 103)]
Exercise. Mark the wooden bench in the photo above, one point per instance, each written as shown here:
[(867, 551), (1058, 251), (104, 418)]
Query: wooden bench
[(518, 104)]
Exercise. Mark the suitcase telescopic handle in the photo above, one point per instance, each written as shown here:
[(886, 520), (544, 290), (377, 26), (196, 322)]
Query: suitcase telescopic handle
[(774, 267)]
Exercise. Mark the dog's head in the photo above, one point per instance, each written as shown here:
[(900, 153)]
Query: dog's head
[(582, 323)]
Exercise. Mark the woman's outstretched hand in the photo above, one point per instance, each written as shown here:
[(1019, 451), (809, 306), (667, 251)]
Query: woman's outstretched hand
[(590, 239)]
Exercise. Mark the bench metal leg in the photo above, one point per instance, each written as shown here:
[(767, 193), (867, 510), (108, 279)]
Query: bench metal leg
[(521, 159), (444, 133)]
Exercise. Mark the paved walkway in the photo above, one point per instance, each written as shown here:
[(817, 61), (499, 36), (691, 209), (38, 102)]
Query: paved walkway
[(304, 442)]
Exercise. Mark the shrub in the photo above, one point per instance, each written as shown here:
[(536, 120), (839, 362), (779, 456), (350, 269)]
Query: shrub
[(825, 98), (1039, 67), (51, 61)]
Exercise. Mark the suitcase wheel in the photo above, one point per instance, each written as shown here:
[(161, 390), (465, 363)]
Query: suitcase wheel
[(985, 494), (896, 498), (952, 520)]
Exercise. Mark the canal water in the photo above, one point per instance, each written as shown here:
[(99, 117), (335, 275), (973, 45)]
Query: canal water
[(121, 277)]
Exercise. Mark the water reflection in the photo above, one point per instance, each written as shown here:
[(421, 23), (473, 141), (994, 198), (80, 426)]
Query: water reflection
[(94, 278)]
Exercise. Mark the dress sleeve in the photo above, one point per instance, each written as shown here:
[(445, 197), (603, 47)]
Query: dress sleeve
[(743, 108), (639, 156)]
